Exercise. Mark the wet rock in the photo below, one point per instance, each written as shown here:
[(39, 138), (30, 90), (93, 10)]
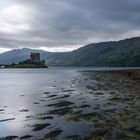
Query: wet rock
[(42, 100), (136, 132), (26, 137), (23, 110), (115, 99), (61, 104), (99, 93), (45, 117), (49, 117), (99, 132), (61, 111), (74, 137), (133, 128), (76, 110), (46, 93), (94, 137), (123, 135), (84, 106), (38, 127), (112, 93), (104, 124), (7, 119), (52, 96), (91, 88), (67, 90), (30, 116), (53, 134), (36, 103), (41, 116), (97, 106), (62, 97), (1, 110), (22, 95), (10, 138)]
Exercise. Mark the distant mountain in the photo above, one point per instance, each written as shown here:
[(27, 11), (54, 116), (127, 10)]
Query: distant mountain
[(118, 53), (17, 55)]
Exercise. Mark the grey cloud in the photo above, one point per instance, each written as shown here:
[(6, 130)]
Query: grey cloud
[(59, 23)]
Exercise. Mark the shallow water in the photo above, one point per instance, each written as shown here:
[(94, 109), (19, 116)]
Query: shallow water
[(63, 103)]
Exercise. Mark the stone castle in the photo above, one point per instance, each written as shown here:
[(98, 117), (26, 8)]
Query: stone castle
[(35, 59)]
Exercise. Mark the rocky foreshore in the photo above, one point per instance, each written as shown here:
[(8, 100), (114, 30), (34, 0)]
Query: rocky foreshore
[(84, 105), (133, 73)]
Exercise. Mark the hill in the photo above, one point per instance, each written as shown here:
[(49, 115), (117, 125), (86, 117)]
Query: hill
[(17, 55), (116, 53)]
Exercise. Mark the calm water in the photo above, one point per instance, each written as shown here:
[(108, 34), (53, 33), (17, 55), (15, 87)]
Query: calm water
[(62, 103)]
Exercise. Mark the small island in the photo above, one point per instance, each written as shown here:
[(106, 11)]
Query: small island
[(33, 62)]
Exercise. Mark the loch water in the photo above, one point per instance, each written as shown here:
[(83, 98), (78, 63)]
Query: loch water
[(68, 104)]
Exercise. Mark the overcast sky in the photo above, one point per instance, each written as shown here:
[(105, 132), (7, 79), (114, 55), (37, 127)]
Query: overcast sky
[(64, 25)]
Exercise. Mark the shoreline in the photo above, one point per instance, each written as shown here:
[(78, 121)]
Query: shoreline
[(130, 72)]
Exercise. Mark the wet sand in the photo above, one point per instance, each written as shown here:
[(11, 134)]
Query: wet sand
[(81, 105)]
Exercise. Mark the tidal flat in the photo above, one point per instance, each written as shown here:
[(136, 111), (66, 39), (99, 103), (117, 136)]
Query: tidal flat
[(68, 104)]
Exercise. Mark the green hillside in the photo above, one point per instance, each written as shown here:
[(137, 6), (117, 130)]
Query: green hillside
[(115, 54), (119, 53)]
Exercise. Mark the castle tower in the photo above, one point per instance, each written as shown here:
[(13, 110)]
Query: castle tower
[(35, 57)]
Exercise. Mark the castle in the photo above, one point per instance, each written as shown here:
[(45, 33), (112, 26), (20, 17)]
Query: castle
[(35, 57), (34, 60)]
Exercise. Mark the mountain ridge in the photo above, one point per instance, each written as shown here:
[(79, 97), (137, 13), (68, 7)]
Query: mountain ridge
[(112, 53)]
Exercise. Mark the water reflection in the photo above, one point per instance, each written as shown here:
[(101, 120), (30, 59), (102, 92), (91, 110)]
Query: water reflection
[(68, 104)]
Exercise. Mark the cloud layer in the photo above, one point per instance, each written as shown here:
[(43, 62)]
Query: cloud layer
[(64, 25)]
